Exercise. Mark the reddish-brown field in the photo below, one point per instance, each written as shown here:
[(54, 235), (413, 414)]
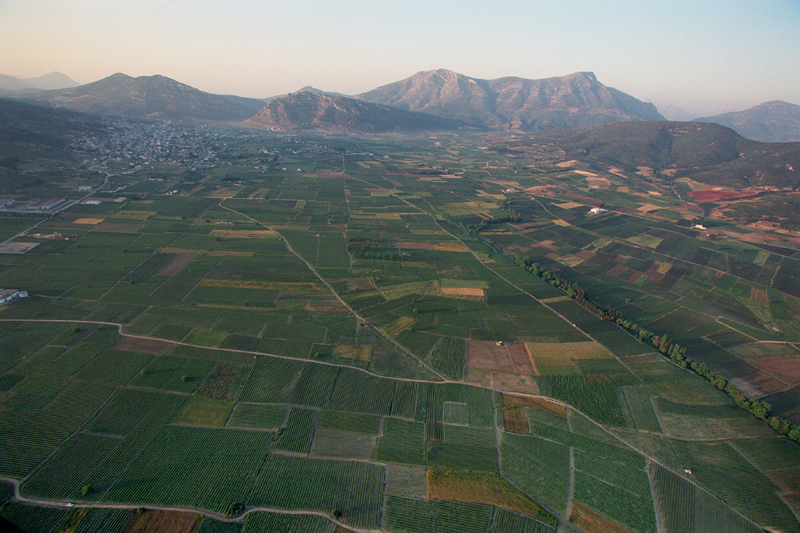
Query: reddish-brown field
[(488, 355), (507, 358), (713, 196), (133, 344), (520, 359), (162, 522), (175, 265), (787, 370), (514, 418), (404, 245)]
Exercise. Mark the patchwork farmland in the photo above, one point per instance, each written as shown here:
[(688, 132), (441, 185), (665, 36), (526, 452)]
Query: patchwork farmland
[(354, 347)]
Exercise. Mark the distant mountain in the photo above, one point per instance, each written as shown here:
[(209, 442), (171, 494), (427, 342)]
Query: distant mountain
[(10, 84), (306, 89), (705, 152), (774, 121), (152, 97), (53, 80), (338, 114), (574, 101)]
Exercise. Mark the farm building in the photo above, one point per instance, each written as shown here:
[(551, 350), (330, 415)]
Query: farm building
[(9, 295)]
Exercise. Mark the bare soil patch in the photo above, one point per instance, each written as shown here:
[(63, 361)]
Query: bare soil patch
[(175, 265), (596, 182), (406, 245), (135, 344), (17, 247), (759, 296), (88, 220), (455, 291), (162, 522), (520, 359), (488, 355), (502, 381)]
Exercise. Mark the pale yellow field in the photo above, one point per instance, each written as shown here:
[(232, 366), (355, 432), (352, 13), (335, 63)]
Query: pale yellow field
[(398, 325), (568, 205), (454, 291), (450, 247), (88, 220), (663, 268), (557, 358)]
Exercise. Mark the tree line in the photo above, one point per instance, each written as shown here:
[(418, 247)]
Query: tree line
[(666, 346)]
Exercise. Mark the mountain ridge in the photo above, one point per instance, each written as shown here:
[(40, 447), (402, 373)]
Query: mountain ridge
[(150, 97), (773, 121), (567, 102), (318, 111)]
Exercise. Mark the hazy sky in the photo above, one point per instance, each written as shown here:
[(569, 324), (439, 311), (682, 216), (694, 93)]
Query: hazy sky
[(699, 55)]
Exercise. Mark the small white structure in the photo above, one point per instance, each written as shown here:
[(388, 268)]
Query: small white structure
[(699, 226), (9, 295), (597, 210)]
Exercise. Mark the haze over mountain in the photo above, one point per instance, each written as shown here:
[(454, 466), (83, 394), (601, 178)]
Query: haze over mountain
[(705, 152), (774, 121), (573, 101), (152, 97), (53, 80), (313, 110)]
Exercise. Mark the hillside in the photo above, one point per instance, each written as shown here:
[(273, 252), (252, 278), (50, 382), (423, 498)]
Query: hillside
[(323, 112), (22, 122), (573, 101), (774, 121), (705, 152), (152, 97)]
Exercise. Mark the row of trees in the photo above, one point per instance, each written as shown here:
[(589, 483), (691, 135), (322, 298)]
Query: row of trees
[(666, 346)]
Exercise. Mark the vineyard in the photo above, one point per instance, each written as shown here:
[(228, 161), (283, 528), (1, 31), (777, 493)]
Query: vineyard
[(483, 373)]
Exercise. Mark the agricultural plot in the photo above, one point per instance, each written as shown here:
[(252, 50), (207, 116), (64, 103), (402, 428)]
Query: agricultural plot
[(480, 487), (403, 514), (686, 507), (721, 470), (539, 467), (185, 455), (352, 488), (257, 416)]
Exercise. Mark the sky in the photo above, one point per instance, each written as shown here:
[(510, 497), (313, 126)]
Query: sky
[(701, 56)]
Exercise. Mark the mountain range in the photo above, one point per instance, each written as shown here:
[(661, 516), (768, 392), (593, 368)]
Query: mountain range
[(574, 101), (447, 100), (774, 121), (53, 80), (312, 110), (431, 100), (151, 97)]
